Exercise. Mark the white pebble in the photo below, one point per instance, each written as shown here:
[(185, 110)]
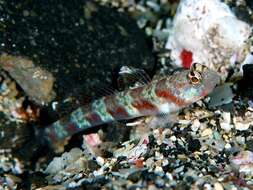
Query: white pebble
[(158, 169), (225, 122), (173, 138), (195, 125), (100, 161), (227, 146), (218, 186), (246, 169)]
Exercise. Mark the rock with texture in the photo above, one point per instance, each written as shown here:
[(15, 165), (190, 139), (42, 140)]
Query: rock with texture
[(207, 31)]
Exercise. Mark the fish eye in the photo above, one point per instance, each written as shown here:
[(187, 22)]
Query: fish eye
[(195, 77)]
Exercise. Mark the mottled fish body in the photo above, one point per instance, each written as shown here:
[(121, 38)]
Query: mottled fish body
[(164, 95)]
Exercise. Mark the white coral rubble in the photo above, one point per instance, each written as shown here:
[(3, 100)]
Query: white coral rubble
[(69, 164), (209, 31)]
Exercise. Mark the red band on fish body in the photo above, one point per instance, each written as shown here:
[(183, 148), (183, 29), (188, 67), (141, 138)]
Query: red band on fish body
[(115, 109), (144, 106), (93, 118), (118, 113), (71, 127), (168, 96), (52, 136), (162, 91)]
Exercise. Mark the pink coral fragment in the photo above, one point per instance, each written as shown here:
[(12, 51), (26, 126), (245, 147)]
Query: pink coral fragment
[(93, 139)]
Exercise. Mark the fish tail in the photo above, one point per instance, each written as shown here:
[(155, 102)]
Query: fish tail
[(77, 121), (83, 118)]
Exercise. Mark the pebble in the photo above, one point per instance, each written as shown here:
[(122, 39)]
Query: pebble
[(247, 169), (98, 172), (207, 132), (165, 162), (226, 126), (227, 146), (100, 161), (241, 140), (139, 163), (225, 121), (159, 182), (158, 170), (218, 186), (195, 125), (194, 145), (135, 175), (173, 138), (216, 135), (241, 125)]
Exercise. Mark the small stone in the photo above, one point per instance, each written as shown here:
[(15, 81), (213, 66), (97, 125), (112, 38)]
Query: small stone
[(195, 125), (139, 163), (12, 179), (194, 145), (241, 126), (152, 187), (159, 182), (225, 122), (158, 156), (246, 169), (207, 186), (68, 165), (207, 132), (134, 176), (158, 169), (173, 138), (227, 146), (240, 140), (165, 162), (169, 176), (216, 135), (218, 186), (98, 173), (92, 165), (100, 161), (182, 185)]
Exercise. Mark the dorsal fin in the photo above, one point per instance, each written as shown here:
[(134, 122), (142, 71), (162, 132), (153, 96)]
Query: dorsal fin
[(130, 77)]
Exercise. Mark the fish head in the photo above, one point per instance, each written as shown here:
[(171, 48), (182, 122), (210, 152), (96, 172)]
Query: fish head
[(196, 83)]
